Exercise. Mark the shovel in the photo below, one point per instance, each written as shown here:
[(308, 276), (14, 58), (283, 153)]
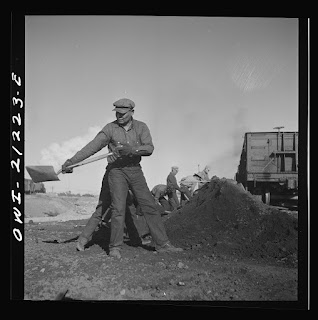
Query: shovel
[(47, 173)]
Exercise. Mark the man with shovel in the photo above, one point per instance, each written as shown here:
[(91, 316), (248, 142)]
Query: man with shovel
[(172, 186), (129, 140), (159, 192), (195, 181), (203, 176)]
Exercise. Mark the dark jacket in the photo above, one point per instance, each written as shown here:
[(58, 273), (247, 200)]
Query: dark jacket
[(172, 182)]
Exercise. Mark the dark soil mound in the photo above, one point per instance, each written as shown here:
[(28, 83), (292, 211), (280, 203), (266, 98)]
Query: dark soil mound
[(225, 218)]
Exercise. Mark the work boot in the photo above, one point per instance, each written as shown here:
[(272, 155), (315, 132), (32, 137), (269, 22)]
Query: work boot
[(146, 240), (81, 242), (168, 247), (115, 253)]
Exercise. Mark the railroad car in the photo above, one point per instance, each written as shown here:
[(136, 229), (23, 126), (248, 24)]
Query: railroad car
[(32, 187), (269, 164)]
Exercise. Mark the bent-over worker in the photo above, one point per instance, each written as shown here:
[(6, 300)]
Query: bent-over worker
[(160, 192), (203, 176)]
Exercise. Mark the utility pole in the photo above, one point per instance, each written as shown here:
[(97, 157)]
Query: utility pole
[(198, 168), (278, 128)]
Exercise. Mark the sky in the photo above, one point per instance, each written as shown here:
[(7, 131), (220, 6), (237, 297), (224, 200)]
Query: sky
[(199, 83)]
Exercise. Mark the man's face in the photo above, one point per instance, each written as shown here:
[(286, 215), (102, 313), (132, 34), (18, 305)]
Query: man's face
[(123, 118)]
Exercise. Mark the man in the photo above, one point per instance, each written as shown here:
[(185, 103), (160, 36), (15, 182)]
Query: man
[(191, 183), (195, 181), (185, 195), (203, 176), (160, 192), (172, 186), (129, 140)]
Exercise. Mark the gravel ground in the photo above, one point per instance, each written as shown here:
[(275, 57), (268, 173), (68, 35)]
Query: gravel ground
[(235, 249)]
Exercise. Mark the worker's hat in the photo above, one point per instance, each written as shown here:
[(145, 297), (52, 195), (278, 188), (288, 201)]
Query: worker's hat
[(123, 105)]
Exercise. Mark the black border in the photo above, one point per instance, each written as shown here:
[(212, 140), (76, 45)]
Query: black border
[(303, 182), (17, 62)]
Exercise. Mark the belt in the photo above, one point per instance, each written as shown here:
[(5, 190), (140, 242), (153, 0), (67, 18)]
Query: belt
[(123, 165)]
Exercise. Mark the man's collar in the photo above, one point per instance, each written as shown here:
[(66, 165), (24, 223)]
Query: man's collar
[(132, 123)]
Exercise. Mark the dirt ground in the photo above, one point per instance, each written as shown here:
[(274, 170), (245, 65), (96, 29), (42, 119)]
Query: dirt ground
[(235, 249)]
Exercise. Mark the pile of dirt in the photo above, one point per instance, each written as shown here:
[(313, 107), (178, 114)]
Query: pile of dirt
[(223, 217)]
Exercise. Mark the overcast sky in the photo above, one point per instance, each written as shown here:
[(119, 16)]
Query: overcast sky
[(199, 83)]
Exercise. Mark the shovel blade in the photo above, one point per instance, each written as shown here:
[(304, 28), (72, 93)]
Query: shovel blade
[(42, 173)]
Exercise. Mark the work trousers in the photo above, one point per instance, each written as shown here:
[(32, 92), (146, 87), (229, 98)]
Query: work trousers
[(165, 204), (135, 223), (135, 220), (120, 180), (173, 199), (104, 202)]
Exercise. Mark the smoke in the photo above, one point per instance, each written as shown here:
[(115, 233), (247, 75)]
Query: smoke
[(240, 128), (226, 163), (57, 153)]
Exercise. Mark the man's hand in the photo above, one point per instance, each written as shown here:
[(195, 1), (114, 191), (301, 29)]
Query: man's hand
[(67, 163), (112, 158)]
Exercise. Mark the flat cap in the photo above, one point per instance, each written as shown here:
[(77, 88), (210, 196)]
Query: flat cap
[(123, 105)]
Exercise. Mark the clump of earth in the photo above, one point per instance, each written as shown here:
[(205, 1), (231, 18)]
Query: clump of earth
[(235, 248)]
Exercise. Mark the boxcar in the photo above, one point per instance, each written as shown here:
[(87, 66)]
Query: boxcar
[(32, 187), (269, 164)]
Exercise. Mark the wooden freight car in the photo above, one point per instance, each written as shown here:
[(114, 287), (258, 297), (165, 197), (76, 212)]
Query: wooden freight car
[(269, 164), (32, 187)]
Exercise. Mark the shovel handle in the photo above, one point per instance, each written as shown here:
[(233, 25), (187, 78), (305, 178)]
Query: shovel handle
[(199, 181), (89, 160)]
